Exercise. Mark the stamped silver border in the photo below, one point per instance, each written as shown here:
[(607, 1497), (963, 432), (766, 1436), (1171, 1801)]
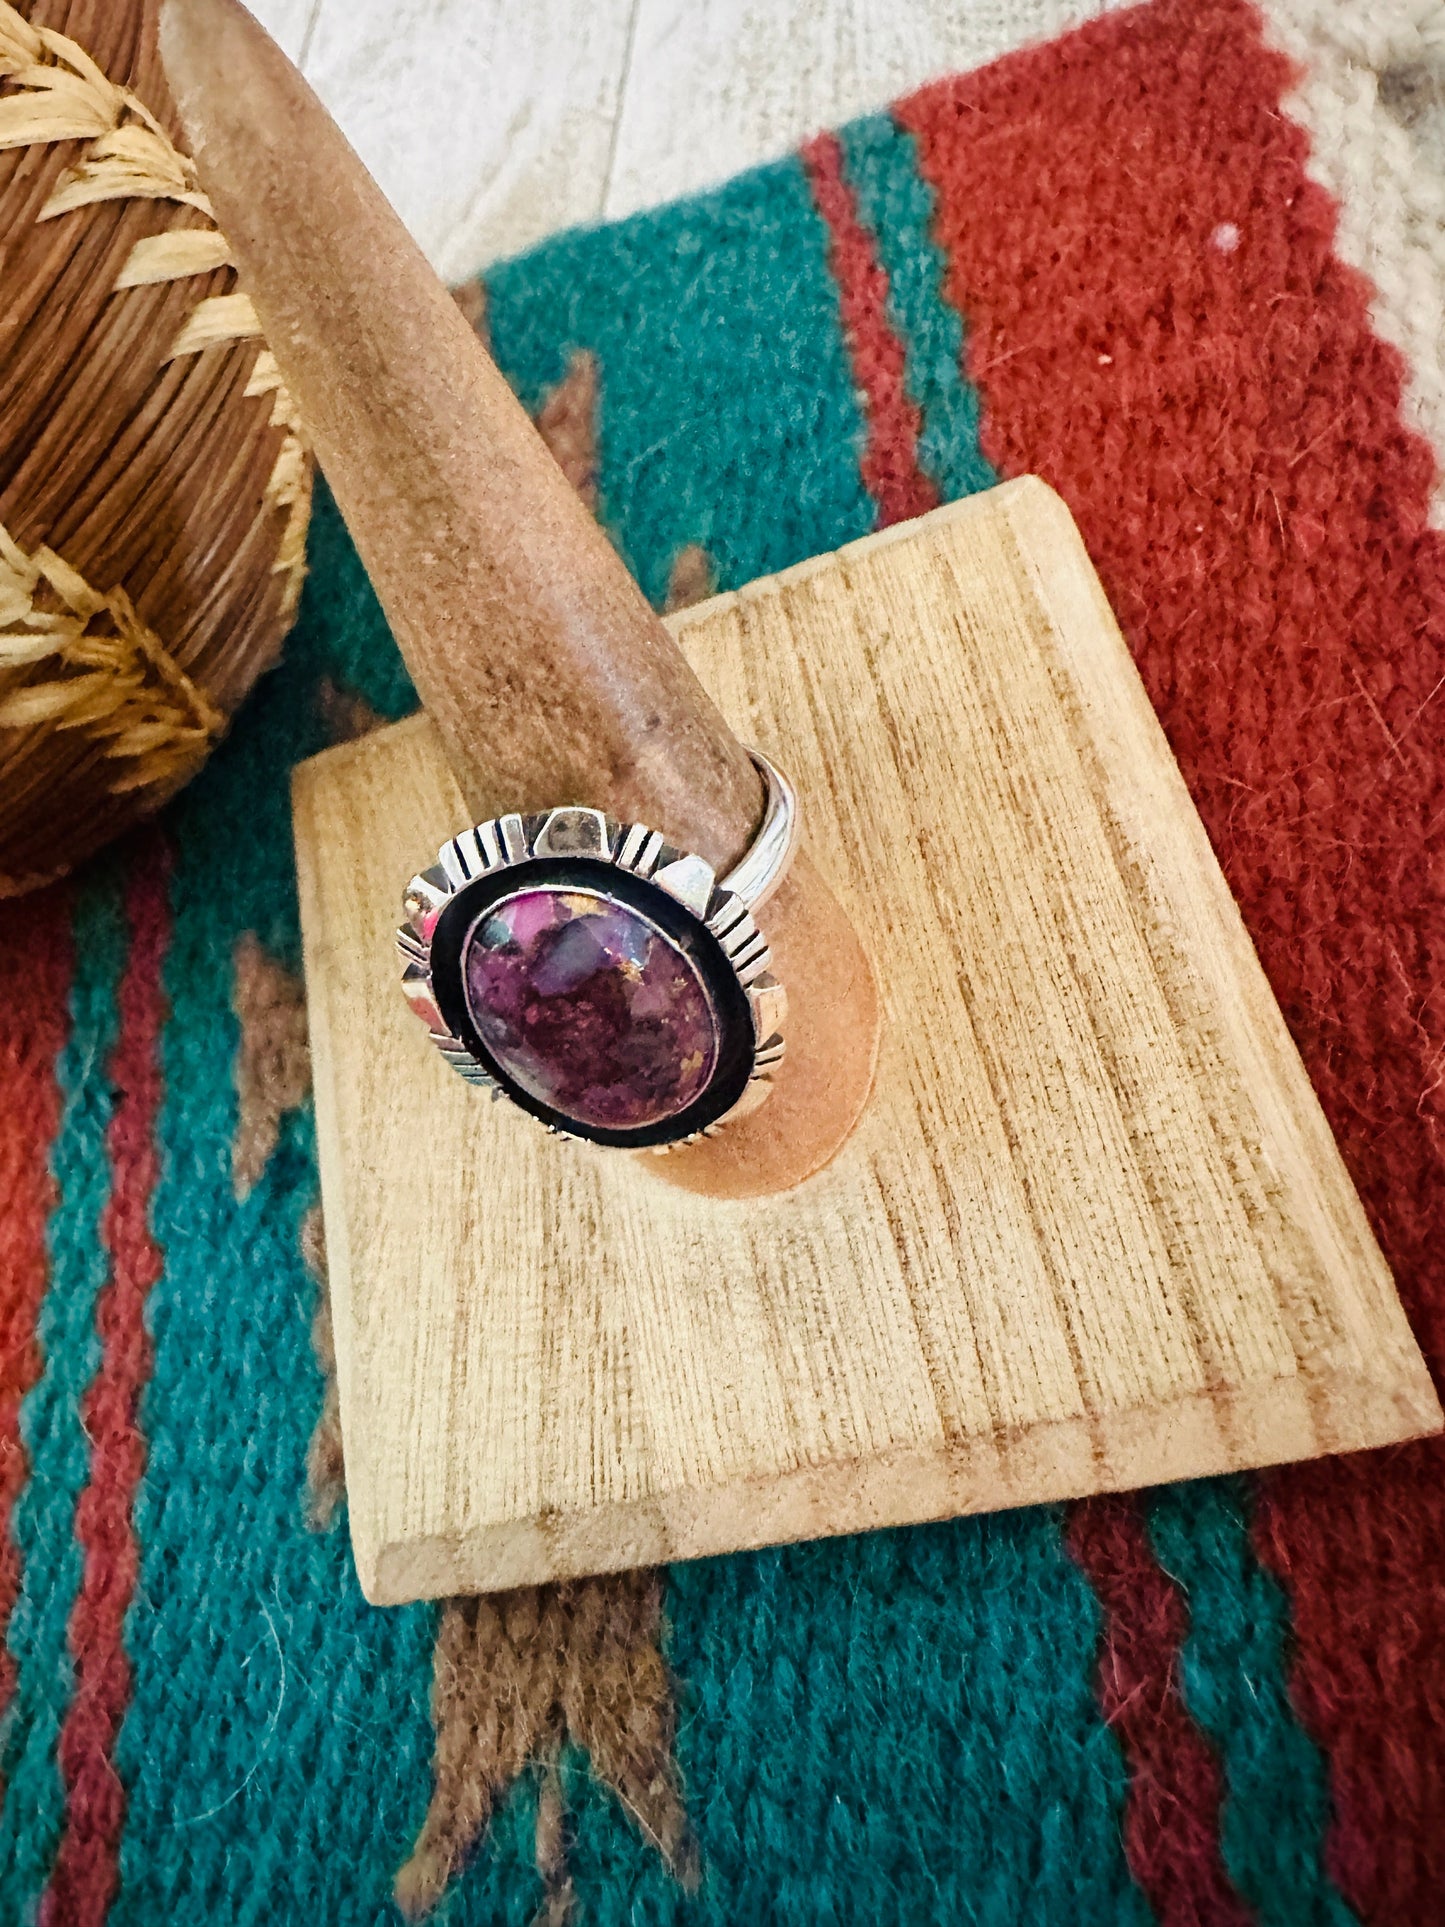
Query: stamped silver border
[(506, 842)]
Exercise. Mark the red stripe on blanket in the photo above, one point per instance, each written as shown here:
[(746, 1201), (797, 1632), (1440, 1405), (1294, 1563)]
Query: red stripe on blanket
[(35, 972), (1358, 1544), (84, 1876), (1171, 1820), (889, 463), (1158, 326)]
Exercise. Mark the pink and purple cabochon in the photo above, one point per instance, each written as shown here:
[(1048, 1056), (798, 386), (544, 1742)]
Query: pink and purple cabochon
[(590, 1008)]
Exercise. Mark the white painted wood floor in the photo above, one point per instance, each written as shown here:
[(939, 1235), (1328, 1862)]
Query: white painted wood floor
[(491, 123)]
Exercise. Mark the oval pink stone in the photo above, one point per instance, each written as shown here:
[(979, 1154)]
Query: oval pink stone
[(590, 1007)]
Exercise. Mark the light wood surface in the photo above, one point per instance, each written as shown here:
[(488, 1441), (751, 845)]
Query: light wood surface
[(1092, 1232), (491, 125)]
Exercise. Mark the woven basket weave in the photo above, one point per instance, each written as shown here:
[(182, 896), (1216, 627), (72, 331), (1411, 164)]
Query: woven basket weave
[(154, 485)]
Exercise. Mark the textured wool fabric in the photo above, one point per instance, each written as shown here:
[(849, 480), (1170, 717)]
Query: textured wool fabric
[(35, 975), (51, 1430), (1272, 565), (1109, 260)]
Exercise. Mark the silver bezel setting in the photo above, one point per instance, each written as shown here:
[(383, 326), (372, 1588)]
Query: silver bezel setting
[(510, 843)]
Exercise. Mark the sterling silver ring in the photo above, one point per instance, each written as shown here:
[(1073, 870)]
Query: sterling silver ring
[(607, 983)]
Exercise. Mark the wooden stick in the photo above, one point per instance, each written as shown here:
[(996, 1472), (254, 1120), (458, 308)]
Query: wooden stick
[(548, 675)]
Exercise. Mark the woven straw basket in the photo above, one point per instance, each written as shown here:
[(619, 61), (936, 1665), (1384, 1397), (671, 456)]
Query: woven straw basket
[(154, 486)]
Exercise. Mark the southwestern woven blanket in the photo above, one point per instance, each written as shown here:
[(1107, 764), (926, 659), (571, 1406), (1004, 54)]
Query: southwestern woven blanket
[(1128, 261)]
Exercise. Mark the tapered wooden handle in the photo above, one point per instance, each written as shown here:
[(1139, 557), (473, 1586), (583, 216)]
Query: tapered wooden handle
[(549, 677), (533, 649)]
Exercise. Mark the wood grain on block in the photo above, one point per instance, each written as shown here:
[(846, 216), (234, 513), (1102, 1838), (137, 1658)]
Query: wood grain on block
[(1092, 1231)]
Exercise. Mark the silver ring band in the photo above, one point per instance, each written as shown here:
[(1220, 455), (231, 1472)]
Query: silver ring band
[(769, 856), (600, 978)]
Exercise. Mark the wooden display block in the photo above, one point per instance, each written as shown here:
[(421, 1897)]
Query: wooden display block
[(1092, 1232)]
